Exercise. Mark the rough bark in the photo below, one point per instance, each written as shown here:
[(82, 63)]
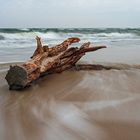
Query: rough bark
[(47, 60)]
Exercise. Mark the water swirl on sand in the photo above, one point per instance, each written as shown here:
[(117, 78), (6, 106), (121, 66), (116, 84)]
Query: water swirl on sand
[(73, 105)]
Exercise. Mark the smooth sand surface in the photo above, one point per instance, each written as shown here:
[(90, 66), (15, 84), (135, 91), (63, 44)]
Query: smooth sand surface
[(83, 105)]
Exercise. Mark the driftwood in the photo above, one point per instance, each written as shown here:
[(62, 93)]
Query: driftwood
[(47, 60)]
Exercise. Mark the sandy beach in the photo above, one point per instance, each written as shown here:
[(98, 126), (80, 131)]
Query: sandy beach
[(74, 105), (101, 105)]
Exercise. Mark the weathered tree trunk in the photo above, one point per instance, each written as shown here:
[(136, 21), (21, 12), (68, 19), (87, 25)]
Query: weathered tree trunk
[(47, 60)]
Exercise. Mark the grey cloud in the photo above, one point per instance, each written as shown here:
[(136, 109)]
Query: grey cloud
[(69, 13)]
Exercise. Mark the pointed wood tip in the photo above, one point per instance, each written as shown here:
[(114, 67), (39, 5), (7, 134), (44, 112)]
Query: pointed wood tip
[(37, 37)]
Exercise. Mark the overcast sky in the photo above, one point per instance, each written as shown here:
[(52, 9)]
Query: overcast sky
[(69, 13)]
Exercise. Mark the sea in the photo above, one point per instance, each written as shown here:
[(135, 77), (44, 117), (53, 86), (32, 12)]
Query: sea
[(17, 45)]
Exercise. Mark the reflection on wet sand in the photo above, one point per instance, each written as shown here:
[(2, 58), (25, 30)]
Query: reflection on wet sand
[(102, 105)]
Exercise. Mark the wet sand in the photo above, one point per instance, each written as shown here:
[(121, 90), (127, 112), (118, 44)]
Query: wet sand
[(83, 105)]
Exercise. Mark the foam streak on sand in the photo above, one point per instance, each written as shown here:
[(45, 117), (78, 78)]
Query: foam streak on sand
[(97, 105)]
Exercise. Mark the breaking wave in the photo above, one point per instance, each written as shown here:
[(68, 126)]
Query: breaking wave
[(61, 35)]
